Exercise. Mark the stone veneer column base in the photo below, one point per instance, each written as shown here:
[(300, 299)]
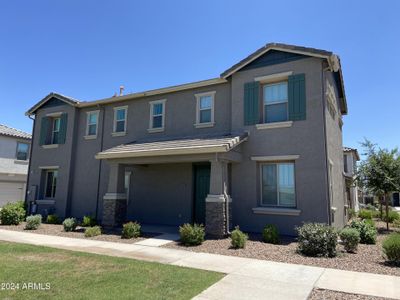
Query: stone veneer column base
[(216, 216), (114, 209)]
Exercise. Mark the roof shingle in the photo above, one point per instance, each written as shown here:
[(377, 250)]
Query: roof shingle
[(9, 131)]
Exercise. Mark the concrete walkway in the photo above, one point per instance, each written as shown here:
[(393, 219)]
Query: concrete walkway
[(246, 278)]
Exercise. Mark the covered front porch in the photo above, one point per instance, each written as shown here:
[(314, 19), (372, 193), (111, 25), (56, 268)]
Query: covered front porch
[(172, 182)]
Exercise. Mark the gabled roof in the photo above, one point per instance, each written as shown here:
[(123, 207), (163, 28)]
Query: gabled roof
[(66, 99), (12, 132), (332, 59), (188, 145), (353, 150)]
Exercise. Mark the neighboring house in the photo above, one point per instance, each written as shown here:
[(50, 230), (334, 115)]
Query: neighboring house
[(260, 144), (14, 159), (352, 191)]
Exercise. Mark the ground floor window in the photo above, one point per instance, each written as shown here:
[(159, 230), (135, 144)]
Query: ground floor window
[(278, 185), (51, 183)]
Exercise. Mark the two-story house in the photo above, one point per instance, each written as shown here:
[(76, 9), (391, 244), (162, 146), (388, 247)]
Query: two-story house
[(352, 192), (260, 144), (14, 158)]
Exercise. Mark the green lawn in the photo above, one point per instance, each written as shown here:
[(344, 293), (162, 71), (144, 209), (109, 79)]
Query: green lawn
[(74, 275)]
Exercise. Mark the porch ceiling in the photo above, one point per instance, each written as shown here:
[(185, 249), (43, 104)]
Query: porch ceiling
[(183, 146)]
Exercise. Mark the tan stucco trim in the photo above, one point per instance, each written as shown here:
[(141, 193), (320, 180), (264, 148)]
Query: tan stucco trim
[(273, 77), (50, 146), (276, 211), (49, 167), (274, 125), (275, 158), (114, 196), (54, 114)]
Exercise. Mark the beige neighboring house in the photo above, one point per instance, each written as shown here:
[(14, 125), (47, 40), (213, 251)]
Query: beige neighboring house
[(14, 161), (352, 191)]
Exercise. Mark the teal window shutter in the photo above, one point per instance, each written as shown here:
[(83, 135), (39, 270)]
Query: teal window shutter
[(44, 130), (63, 128), (297, 97), (251, 103)]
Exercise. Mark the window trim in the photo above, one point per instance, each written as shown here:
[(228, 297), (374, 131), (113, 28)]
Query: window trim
[(88, 113), (264, 85), (198, 124), (54, 186), (53, 121), (151, 129), (117, 108), (27, 151), (277, 170)]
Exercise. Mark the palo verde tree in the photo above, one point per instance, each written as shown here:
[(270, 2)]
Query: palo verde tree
[(379, 172)]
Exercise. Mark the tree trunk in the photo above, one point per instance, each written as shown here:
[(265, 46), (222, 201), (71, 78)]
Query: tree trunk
[(387, 211)]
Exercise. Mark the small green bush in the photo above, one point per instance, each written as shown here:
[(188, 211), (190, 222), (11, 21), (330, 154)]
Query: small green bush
[(130, 230), (92, 231), (12, 213), (352, 213), (89, 221), (52, 219), (238, 238), (192, 235), (316, 239), (365, 214), (396, 223), (391, 248), (33, 222), (391, 217), (270, 234), (366, 229), (370, 207), (350, 238), (70, 224)]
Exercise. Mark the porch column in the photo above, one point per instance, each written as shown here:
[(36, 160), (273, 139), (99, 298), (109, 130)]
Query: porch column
[(114, 201), (217, 202)]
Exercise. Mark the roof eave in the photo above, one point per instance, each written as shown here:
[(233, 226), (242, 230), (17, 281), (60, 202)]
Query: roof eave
[(65, 99)]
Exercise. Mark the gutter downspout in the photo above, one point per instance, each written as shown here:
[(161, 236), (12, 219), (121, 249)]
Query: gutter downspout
[(101, 161), (27, 191), (326, 147)]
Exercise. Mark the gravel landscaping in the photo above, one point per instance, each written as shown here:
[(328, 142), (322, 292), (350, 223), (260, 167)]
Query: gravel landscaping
[(113, 235), (320, 294), (368, 258)]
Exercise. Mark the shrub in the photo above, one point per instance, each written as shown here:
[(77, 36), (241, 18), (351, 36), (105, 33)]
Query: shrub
[(365, 214), (12, 213), (392, 215), (89, 221), (370, 207), (238, 238), (192, 235), (33, 222), (92, 231), (396, 223), (52, 219), (316, 239), (391, 248), (130, 230), (350, 238), (366, 229), (270, 234), (70, 224), (352, 213)]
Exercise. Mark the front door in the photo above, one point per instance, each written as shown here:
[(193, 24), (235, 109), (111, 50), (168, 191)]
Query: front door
[(201, 190)]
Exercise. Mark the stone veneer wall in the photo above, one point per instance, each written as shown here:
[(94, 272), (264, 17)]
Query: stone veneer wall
[(114, 212), (216, 219)]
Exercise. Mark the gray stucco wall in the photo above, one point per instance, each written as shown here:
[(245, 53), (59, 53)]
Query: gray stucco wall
[(335, 155), (304, 138)]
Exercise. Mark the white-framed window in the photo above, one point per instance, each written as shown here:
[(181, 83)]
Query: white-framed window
[(92, 121), (278, 184), (120, 117), (275, 102), (205, 109), (50, 183), (22, 151), (157, 115), (55, 132)]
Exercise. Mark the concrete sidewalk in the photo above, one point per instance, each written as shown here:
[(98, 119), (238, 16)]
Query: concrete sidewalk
[(246, 278)]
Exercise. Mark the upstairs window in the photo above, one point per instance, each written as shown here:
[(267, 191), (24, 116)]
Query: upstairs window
[(275, 102), (120, 117), (157, 115), (92, 123), (346, 168), (22, 151), (50, 183), (53, 129), (278, 187), (56, 130), (205, 109)]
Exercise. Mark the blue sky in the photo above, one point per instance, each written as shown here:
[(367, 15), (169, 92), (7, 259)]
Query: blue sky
[(87, 49)]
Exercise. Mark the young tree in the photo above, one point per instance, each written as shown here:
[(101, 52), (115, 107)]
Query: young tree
[(379, 172)]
